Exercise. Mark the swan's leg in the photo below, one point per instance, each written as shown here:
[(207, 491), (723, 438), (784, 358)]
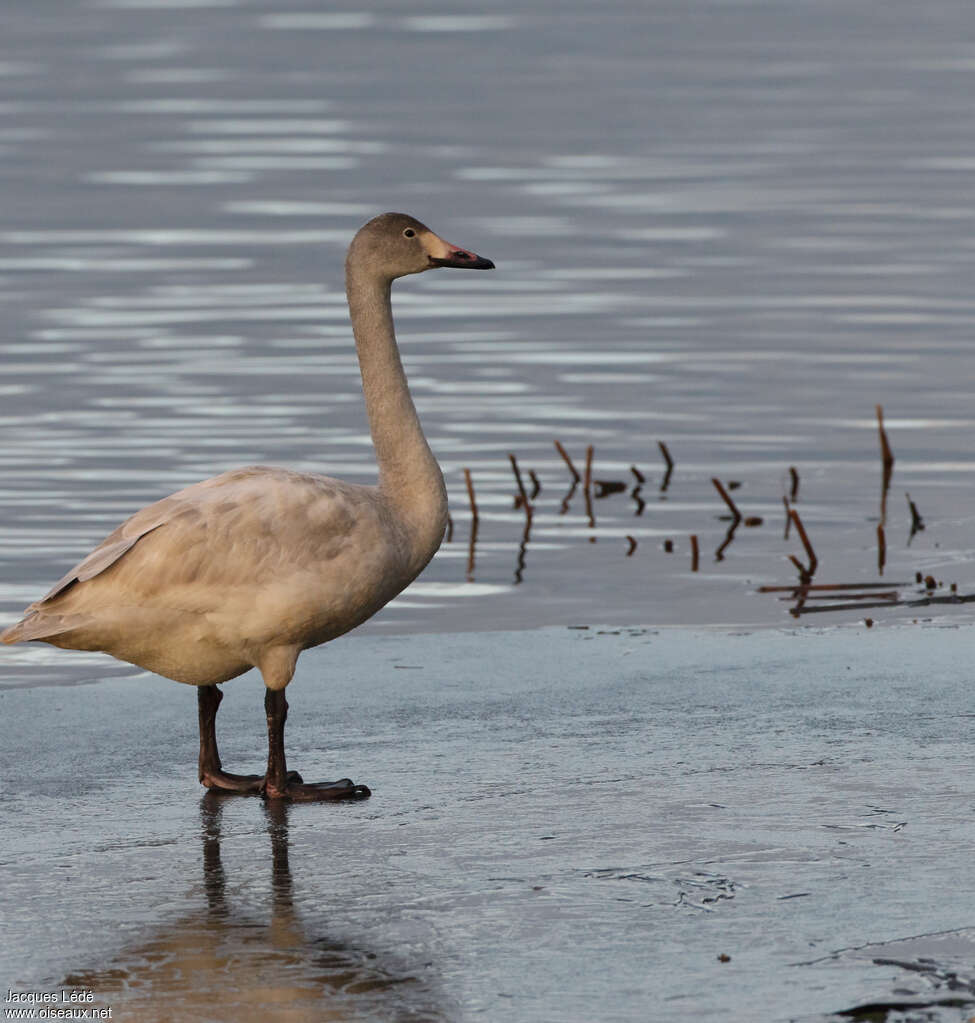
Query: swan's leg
[(279, 783), (212, 774)]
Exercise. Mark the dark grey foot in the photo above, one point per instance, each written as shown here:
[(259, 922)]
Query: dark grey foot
[(323, 792), (240, 784)]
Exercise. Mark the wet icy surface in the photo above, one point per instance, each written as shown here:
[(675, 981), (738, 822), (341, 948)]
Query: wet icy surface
[(566, 825)]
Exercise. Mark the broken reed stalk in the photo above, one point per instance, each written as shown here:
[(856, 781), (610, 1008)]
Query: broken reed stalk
[(726, 542), (735, 514), (665, 482), (826, 586), (522, 493), (885, 453), (632, 542), (666, 453), (917, 523), (640, 478), (587, 490), (606, 487), (568, 461), (803, 572), (470, 495), (887, 458), (472, 543), (523, 550), (810, 553), (536, 485), (695, 553), (794, 492), (881, 548), (788, 518), (450, 529), (471, 550), (640, 503)]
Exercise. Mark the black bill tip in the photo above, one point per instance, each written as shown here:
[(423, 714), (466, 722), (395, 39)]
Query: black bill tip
[(463, 260)]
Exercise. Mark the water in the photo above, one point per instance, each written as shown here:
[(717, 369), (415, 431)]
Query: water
[(734, 227)]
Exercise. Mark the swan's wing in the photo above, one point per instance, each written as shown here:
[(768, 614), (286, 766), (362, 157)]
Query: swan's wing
[(233, 533), (184, 511), (41, 621), (103, 556)]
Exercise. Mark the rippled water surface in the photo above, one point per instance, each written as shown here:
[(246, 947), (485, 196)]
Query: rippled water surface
[(735, 227), (732, 227)]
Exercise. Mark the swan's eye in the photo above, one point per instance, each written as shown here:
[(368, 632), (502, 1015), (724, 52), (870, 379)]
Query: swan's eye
[(409, 233)]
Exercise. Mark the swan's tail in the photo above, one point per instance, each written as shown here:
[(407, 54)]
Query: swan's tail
[(38, 625)]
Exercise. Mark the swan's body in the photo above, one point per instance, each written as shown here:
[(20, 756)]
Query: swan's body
[(253, 566)]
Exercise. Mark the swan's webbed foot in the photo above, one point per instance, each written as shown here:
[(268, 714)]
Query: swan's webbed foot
[(322, 792), (240, 784), (279, 783)]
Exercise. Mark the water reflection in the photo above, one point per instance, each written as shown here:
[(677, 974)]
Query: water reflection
[(219, 963)]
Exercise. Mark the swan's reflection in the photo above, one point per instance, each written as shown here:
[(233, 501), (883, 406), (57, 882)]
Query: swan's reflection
[(221, 965)]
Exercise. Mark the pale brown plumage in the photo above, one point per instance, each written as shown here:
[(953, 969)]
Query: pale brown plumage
[(253, 566), (199, 585)]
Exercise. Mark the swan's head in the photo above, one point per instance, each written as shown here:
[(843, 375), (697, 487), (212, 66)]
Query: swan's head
[(395, 245)]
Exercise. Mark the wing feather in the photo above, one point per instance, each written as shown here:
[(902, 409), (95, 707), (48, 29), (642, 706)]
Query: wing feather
[(102, 557)]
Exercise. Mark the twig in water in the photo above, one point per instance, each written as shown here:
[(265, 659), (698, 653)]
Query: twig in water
[(887, 458), (695, 553), (670, 465), (587, 489), (917, 523), (803, 572), (824, 587), (794, 492), (472, 542), (810, 553), (886, 454), (470, 494), (881, 549), (522, 500), (788, 517), (606, 487), (471, 550), (523, 550), (640, 503), (735, 514), (568, 461), (640, 478), (728, 537), (450, 529), (536, 485), (632, 542)]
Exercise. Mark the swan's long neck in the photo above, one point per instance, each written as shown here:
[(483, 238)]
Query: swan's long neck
[(409, 476)]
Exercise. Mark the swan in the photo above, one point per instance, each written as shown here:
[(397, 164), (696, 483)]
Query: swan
[(249, 568)]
